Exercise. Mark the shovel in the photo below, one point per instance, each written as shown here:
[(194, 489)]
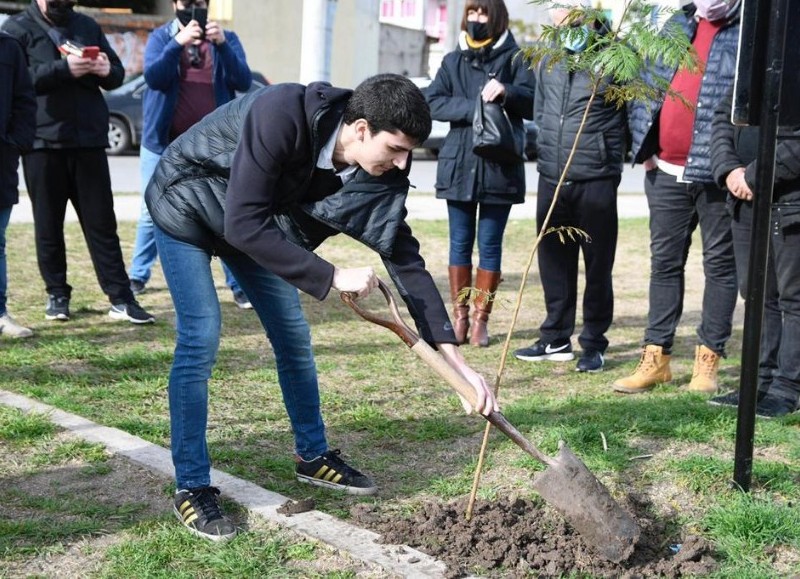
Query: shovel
[(566, 484)]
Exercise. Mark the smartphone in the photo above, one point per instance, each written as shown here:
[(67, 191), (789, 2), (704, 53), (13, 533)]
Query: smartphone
[(200, 15), (91, 52)]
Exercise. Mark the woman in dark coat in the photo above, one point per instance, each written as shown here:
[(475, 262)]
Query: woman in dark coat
[(478, 192)]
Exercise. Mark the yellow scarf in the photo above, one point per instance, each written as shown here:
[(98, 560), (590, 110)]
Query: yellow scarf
[(475, 45)]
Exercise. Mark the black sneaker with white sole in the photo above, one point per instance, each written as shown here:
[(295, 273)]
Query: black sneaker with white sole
[(732, 399), (554, 352), (330, 471), (57, 308), (590, 361), (132, 312), (199, 511)]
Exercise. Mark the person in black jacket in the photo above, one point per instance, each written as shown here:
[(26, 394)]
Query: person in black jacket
[(68, 161), (587, 201), (672, 141), (479, 192), (733, 160), (17, 126), (261, 182)]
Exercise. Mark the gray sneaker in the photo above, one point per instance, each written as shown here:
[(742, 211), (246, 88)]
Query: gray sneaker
[(9, 327)]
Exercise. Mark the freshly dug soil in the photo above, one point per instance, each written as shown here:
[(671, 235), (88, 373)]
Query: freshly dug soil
[(514, 538)]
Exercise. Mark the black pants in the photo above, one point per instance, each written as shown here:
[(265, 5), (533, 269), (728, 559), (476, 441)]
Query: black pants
[(779, 363), (590, 206), (54, 177)]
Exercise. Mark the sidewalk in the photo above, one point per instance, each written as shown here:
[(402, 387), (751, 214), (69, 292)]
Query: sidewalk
[(125, 180)]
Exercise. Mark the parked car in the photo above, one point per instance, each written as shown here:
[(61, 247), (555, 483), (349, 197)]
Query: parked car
[(440, 129), (125, 113)]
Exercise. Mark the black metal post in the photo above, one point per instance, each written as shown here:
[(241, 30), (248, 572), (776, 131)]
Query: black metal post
[(759, 241)]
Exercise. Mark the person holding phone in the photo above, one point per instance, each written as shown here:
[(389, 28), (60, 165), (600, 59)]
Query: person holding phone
[(191, 66), (68, 162)]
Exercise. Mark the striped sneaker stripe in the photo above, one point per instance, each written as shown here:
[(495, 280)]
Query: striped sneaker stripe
[(188, 514), (326, 473)]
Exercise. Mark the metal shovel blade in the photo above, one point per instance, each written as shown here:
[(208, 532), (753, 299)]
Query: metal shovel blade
[(569, 487)]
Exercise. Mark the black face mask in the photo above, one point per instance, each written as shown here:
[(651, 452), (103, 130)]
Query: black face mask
[(186, 15), (59, 13), (478, 30)]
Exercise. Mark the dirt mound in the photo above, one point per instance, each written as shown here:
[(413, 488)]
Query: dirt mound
[(518, 538)]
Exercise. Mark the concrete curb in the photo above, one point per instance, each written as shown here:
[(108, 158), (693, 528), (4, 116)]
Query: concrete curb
[(359, 543)]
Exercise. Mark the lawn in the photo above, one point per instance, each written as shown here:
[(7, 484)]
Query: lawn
[(389, 413)]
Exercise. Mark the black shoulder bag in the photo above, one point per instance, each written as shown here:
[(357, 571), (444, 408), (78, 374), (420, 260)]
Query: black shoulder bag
[(493, 136)]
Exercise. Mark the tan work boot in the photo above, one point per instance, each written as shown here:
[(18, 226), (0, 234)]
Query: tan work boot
[(653, 369), (11, 329), (704, 375)]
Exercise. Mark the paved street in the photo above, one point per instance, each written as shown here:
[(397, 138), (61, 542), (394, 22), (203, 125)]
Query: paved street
[(421, 202)]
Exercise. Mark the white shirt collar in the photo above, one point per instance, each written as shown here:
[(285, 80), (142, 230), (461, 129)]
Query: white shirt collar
[(325, 159)]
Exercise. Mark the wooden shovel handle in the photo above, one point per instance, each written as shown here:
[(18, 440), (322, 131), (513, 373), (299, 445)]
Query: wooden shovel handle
[(439, 365)]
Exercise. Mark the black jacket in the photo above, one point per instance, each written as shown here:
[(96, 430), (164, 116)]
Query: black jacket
[(71, 111), (733, 147), (717, 80), (561, 98), (244, 179), (17, 114), (462, 175)]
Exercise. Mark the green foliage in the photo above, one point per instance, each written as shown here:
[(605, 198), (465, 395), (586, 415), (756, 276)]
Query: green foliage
[(619, 60)]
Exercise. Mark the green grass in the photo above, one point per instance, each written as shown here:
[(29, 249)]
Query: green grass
[(391, 415)]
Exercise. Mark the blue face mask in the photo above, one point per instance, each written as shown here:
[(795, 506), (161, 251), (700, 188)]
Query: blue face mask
[(576, 40)]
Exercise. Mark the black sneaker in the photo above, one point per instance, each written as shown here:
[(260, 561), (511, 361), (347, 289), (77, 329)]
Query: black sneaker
[(241, 300), (555, 352), (732, 399), (57, 308), (132, 312), (590, 361), (137, 287), (330, 471), (774, 406), (199, 511)]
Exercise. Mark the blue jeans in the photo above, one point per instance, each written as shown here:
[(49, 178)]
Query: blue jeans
[(144, 248), (675, 211), (491, 224), (187, 269), (5, 215)]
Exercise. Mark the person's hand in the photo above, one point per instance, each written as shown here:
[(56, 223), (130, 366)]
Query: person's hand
[(650, 164), (189, 34), (738, 186), (494, 90), (359, 280), (486, 403), (79, 66), (101, 66), (215, 33)]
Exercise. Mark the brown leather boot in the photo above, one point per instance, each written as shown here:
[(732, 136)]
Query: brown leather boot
[(486, 283), (653, 369), (460, 278), (706, 368)]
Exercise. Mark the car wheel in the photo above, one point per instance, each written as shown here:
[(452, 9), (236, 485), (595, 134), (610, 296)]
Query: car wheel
[(119, 137)]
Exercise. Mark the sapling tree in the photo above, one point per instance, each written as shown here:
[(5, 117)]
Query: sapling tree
[(619, 60)]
